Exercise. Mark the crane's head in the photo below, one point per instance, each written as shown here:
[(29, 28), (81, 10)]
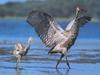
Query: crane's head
[(78, 10), (30, 40)]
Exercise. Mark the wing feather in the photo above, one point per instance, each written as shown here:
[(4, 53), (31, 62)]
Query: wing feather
[(45, 26), (83, 20)]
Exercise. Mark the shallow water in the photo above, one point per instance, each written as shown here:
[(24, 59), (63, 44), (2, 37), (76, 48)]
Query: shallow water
[(38, 62), (84, 56)]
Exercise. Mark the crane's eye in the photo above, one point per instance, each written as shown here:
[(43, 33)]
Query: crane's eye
[(17, 50)]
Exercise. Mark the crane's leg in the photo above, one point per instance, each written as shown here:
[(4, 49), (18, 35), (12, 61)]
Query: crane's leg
[(18, 61), (59, 60), (68, 63)]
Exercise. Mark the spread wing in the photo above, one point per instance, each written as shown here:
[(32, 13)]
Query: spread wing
[(47, 29), (19, 46), (81, 21)]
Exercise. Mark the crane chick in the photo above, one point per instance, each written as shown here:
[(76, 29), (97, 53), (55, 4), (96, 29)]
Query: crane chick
[(21, 50)]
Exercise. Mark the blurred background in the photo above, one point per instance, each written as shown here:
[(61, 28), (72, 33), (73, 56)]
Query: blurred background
[(57, 8)]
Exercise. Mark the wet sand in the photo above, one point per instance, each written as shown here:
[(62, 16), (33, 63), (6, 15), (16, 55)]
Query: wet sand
[(38, 62)]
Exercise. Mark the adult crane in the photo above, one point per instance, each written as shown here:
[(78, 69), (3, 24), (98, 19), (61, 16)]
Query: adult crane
[(54, 37)]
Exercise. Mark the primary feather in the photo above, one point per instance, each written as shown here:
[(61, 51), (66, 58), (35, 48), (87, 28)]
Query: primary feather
[(48, 30)]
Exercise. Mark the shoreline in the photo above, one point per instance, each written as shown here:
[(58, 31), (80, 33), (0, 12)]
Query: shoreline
[(57, 18)]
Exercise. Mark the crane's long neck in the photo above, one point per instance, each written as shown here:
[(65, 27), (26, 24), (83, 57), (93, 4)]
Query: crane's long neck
[(72, 24), (27, 47), (77, 14), (73, 28)]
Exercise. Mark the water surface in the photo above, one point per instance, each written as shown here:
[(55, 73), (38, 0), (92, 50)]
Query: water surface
[(84, 56)]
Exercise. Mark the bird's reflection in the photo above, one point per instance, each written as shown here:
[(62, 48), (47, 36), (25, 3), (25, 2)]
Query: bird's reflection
[(62, 72), (18, 71)]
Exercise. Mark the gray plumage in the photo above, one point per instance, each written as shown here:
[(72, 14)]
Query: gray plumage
[(54, 37)]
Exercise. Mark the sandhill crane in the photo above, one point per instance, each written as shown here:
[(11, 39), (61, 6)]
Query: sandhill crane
[(21, 50), (54, 37)]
